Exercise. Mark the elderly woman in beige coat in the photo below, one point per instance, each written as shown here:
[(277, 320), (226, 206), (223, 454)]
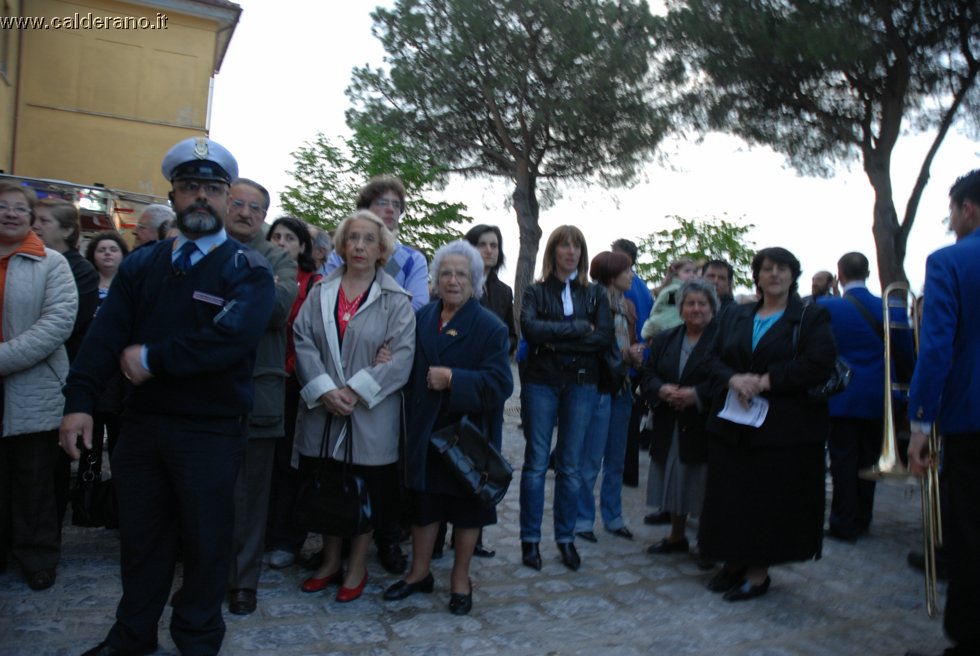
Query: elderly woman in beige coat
[(38, 303), (351, 315)]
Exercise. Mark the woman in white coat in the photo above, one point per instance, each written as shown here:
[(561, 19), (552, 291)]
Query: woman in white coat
[(39, 303), (346, 320)]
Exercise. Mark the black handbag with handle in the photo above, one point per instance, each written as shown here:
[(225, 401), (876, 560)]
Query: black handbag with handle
[(93, 500), (839, 379), (475, 463), (333, 502)]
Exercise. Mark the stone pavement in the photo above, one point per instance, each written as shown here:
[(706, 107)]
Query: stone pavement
[(857, 600)]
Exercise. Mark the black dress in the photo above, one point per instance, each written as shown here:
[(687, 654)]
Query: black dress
[(764, 500)]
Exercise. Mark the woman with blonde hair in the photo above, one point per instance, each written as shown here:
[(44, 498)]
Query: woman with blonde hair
[(347, 319)]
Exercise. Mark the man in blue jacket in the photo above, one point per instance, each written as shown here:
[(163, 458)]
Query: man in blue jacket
[(944, 391), (856, 414), (182, 321)]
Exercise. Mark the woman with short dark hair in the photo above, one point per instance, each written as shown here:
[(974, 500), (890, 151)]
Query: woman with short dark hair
[(764, 500)]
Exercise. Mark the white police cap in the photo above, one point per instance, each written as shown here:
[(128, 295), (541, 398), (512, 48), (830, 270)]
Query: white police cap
[(200, 158)]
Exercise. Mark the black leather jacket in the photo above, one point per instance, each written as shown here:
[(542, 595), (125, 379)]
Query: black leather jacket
[(560, 350)]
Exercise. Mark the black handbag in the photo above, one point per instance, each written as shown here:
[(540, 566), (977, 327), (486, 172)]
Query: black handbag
[(333, 502), (474, 461), (612, 370), (93, 500), (839, 379)]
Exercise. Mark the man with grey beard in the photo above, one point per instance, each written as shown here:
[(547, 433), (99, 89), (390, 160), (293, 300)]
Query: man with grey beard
[(182, 322)]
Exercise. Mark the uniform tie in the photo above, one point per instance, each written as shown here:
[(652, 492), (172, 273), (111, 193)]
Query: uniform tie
[(183, 260)]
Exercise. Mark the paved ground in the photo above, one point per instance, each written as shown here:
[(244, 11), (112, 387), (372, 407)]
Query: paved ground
[(859, 599)]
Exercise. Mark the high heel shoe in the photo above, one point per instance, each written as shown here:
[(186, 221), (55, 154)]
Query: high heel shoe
[(461, 604), (350, 594), (314, 584), (403, 588), (531, 555)]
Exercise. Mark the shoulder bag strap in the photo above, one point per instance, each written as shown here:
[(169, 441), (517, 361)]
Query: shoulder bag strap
[(878, 328)]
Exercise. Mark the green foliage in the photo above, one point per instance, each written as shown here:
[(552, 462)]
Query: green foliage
[(535, 92), (700, 239), (826, 82), (328, 178)]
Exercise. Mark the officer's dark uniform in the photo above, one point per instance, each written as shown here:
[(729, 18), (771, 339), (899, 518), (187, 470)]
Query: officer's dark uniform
[(182, 434)]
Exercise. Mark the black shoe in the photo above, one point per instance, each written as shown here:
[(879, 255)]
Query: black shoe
[(241, 602), (841, 536), (403, 588), (666, 547), (461, 604), (481, 551), (105, 649), (588, 536), (726, 579), (655, 519), (623, 532), (569, 555), (747, 591), (392, 558), (917, 561), (41, 579), (531, 555)]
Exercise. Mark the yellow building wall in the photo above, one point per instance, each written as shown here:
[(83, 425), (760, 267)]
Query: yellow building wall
[(8, 87), (104, 105)]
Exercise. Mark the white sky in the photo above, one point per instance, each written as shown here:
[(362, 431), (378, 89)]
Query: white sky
[(289, 62)]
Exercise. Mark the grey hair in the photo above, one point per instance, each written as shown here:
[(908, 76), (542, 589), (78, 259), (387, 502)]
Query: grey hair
[(322, 239), (699, 285), (466, 249), (158, 214)]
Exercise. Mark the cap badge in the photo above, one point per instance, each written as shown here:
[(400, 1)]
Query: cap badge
[(201, 147)]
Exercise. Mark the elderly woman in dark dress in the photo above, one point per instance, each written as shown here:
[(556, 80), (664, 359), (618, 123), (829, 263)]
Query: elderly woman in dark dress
[(461, 368), (764, 502), (676, 382)]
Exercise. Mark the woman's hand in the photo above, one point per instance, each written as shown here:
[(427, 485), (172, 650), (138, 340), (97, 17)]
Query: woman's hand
[(383, 355), (746, 386), (683, 398), (634, 355), (439, 378), (666, 392), (339, 402)]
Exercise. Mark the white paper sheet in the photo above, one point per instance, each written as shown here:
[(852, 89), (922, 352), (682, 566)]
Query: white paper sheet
[(753, 415)]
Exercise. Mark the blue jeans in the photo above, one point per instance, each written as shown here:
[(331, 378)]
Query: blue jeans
[(605, 447), (571, 407)]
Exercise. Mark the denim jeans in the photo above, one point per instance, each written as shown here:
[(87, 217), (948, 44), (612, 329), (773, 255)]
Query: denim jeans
[(571, 407), (605, 447)]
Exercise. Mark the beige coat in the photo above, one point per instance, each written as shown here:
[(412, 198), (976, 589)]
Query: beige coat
[(39, 306), (324, 364)]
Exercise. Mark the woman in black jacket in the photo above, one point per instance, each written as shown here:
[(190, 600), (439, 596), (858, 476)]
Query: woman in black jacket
[(568, 326), (676, 382), (497, 296), (764, 501)]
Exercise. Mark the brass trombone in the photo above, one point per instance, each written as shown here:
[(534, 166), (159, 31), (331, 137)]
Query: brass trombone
[(890, 465)]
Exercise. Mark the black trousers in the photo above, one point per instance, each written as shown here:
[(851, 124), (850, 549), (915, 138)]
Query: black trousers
[(175, 477), (29, 526), (854, 444), (961, 538), (281, 531)]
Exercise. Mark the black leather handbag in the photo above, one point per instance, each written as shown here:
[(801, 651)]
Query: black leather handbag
[(478, 466), (839, 379), (93, 500), (334, 502)]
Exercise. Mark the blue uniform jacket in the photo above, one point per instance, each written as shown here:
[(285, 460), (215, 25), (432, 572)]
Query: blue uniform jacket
[(863, 350), (475, 345), (944, 386)]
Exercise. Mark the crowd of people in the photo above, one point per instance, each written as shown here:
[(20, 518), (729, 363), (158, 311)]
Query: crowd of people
[(229, 365)]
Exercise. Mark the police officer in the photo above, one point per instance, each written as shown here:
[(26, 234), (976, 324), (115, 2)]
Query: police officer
[(182, 323)]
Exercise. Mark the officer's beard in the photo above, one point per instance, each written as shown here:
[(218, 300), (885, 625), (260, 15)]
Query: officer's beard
[(198, 219)]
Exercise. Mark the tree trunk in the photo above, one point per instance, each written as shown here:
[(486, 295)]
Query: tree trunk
[(526, 207), (890, 240)]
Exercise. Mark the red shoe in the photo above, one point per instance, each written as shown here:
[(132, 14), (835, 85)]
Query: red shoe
[(314, 584), (350, 594)]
